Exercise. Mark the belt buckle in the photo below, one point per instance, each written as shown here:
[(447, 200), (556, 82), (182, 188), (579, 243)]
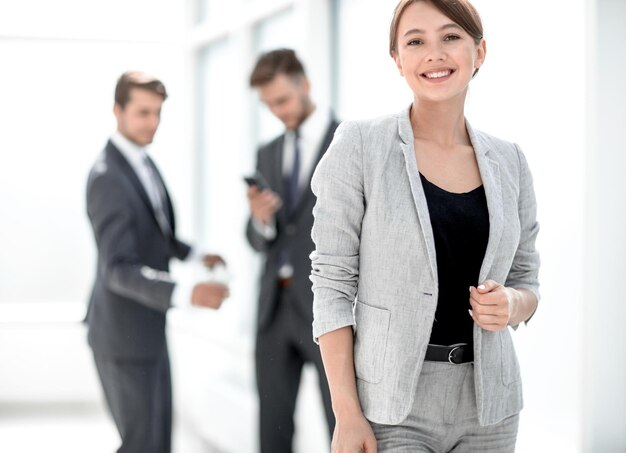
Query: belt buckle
[(452, 352)]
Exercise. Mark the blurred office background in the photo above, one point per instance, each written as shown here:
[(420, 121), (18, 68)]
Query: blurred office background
[(553, 82)]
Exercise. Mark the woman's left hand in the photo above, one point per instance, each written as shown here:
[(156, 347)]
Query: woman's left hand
[(492, 305)]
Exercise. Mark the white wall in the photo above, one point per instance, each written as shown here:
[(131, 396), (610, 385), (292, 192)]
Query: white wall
[(57, 88), (604, 309)]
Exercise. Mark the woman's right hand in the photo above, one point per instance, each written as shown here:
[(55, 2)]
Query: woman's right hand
[(353, 434)]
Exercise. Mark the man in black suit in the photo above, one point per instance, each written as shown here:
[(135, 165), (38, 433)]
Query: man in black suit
[(133, 224), (280, 228)]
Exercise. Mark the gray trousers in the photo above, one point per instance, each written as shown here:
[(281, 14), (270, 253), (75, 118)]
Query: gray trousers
[(444, 417)]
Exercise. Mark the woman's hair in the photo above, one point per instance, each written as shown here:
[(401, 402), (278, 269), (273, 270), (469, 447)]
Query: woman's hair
[(461, 12)]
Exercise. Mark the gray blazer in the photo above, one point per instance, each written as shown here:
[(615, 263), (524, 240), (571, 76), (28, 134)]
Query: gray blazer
[(374, 265)]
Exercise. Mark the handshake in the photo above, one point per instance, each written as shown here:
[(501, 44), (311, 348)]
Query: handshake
[(210, 294)]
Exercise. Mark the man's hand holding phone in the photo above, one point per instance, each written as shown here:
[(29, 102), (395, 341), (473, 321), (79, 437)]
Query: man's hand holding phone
[(262, 200)]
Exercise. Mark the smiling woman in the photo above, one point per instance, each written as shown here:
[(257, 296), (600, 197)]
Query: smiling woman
[(445, 51), (468, 199)]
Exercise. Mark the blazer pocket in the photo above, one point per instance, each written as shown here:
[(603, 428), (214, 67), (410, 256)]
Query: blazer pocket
[(510, 365), (370, 341)]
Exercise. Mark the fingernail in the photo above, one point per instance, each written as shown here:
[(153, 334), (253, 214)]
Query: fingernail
[(481, 286), (470, 289), (470, 313)]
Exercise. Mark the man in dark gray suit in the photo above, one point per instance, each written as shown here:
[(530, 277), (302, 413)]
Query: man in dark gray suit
[(133, 224), (280, 228)]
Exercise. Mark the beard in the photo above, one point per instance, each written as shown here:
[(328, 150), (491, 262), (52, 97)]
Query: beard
[(305, 111)]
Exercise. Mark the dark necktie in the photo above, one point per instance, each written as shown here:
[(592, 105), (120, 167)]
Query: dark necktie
[(158, 198), (291, 183)]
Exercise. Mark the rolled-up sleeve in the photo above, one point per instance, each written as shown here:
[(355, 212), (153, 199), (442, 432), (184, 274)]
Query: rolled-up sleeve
[(338, 185), (524, 271)]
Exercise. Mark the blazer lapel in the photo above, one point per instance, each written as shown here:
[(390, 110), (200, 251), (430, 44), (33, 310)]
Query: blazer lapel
[(306, 192), (407, 144), (276, 178), (128, 171), (490, 175)]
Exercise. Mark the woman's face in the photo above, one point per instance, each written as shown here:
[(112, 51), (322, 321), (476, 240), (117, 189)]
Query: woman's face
[(435, 55)]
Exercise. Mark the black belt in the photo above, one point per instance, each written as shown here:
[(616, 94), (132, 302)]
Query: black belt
[(456, 353)]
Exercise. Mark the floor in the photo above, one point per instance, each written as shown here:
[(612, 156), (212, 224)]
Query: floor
[(71, 428)]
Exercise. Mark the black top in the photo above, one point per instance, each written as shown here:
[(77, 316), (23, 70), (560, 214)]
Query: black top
[(460, 223)]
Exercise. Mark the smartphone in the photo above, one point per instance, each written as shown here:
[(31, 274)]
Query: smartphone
[(257, 180)]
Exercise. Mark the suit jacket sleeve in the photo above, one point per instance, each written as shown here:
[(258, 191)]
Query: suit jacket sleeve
[(181, 249), (338, 185), (116, 236), (257, 240), (524, 272)]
